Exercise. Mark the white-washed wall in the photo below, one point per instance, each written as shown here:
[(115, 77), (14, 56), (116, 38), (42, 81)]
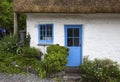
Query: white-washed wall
[(101, 32)]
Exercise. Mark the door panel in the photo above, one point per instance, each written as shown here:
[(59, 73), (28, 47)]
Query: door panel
[(73, 40)]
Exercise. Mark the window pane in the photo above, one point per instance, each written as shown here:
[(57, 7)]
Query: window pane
[(76, 32), (50, 27), (43, 27), (44, 33), (41, 37), (70, 32), (50, 33), (70, 42), (76, 41), (41, 32)]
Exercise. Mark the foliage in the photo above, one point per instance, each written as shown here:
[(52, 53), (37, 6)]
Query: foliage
[(56, 59), (22, 21), (18, 58), (57, 49), (31, 52), (100, 70), (6, 63), (27, 41), (7, 16), (10, 44), (12, 62)]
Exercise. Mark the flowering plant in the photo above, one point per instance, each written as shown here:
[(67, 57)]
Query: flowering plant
[(100, 70)]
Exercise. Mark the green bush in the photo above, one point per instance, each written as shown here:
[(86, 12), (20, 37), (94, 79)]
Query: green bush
[(55, 60), (31, 52), (10, 63), (6, 63), (27, 40), (57, 49), (10, 44), (100, 70), (18, 58)]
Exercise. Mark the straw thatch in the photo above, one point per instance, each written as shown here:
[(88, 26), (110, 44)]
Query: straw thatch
[(67, 6)]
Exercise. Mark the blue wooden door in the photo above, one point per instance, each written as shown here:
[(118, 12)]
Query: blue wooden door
[(73, 40)]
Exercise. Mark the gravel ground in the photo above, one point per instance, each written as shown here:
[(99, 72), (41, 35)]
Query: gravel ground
[(22, 78)]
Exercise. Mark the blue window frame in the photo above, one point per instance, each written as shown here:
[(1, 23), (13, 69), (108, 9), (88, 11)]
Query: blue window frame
[(45, 33)]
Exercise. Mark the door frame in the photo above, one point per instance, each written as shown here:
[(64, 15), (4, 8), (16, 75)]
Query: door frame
[(81, 35)]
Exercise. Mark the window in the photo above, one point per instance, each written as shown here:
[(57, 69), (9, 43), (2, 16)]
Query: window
[(45, 33), (73, 38)]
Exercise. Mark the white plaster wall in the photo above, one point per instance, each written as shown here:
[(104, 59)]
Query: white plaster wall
[(101, 32)]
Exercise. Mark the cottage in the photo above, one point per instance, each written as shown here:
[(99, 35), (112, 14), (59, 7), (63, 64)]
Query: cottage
[(86, 27)]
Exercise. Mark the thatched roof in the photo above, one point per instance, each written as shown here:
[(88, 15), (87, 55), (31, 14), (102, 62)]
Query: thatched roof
[(67, 6)]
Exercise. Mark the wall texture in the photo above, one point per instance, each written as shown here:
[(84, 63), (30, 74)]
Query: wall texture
[(101, 32)]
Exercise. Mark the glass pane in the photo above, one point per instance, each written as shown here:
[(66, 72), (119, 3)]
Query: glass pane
[(43, 27), (50, 33), (50, 27), (41, 37), (70, 42), (41, 32), (76, 32), (48, 38), (76, 41), (70, 32)]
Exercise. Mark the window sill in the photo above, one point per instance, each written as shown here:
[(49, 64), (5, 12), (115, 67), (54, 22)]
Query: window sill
[(44, 44)]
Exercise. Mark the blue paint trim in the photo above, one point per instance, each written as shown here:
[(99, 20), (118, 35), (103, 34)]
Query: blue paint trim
[(39, 33), (45, 41), (52, 33), (81, 53), (81, 44), (81, 37)]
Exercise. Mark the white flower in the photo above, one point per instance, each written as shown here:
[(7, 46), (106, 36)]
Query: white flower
[(114, 64), (16, 65)]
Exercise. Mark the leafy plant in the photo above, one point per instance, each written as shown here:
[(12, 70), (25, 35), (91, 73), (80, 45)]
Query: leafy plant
[(7, 15), (27, 41), (15, 58), (100, 70), (57, 49), (18, 58), (10, 44), (6, 63), (31, 52), (56, 59)]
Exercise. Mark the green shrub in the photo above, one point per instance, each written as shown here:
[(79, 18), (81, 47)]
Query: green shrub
[(27, 40), (6, 63), (100, 70), (10, 44), (55, 60), (31, 52), (18, 58), (10, 63), (57, 49)]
